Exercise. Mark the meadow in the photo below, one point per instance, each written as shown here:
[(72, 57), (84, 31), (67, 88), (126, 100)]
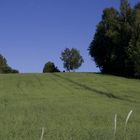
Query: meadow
[(69, 106)]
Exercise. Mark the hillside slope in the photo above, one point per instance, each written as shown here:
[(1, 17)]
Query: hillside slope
[(70, 106)]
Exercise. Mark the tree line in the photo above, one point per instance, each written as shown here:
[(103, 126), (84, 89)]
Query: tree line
[(71, 58), (115, 47)]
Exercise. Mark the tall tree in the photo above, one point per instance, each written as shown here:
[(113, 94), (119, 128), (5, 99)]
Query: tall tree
[(126, 23), (125, 11), (71, 58), (134, 44), (102, 48)]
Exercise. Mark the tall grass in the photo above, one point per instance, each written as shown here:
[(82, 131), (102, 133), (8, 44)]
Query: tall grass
[(29, 102)]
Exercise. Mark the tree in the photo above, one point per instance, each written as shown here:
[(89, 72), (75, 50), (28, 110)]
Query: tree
[(126, 25), (4, 67), (115, 47), (72, 59), (134, 44), (125, 11), (50, 67), (102, 48)]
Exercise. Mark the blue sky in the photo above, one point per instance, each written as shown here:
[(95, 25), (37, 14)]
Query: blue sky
[(33, 32)]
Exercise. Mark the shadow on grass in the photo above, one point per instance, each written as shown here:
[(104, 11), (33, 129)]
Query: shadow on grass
[(109, 95)]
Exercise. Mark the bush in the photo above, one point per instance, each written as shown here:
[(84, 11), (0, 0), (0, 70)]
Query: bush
[(50, 67)]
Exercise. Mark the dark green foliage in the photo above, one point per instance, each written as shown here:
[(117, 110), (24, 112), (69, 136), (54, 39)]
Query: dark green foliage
[(71, 58), (50, 67), (116, 44), (14, 71), (103, 46), (4, 68), (9, 70), (134, 44)]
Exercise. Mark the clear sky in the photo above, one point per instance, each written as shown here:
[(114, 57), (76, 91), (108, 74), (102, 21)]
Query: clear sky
[(33, 32)]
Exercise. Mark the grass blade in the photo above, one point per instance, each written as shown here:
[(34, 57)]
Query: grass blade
[(42, 134), (126, 122), (128, 116), (115, 125)]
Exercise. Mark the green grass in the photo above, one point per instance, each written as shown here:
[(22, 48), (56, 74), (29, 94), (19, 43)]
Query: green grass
[(70, 106)]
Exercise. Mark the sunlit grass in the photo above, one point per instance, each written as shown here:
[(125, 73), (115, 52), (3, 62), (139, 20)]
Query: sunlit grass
[(76, 106)]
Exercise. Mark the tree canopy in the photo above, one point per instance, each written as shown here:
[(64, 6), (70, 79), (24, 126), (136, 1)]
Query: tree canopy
[(71, 58), (115, 47)]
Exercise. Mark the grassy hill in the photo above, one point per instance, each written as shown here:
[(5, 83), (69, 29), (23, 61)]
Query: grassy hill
[(70, 106)]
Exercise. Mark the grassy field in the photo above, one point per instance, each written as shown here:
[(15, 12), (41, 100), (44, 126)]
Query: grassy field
[(70, 106)]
